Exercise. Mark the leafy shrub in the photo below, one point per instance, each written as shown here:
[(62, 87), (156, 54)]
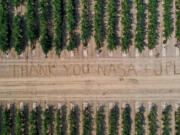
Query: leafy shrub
[(74, 121), (7, 122), (59, 14), (178, 20), (18, 34), (5, 30), (99, 23), (1, 120), (112, 22), (61, 122), (87, 121), (35, 122), (113, 120), (152, 118), (85, 23), (58, 122), (126, 121), (71, 24), (31, 22), (45, 34), (126, 25), (17, 2), (20, 122), (47, 121), (177, 121), (140, 122), (166, 118), (141, 25), (168, 20), (153, 23), (100, 121)]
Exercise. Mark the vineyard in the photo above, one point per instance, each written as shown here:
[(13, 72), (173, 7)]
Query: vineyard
[(60, 25), (112, 119), (89, 67)]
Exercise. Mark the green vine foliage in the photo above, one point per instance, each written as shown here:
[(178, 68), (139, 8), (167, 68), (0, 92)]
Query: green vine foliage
[(20, 122), (86, 27), (34, 122), (5, 29), (7, 122), (1, 120), (100, 121), (87, 121), (71, 24), (47, 121), (168, 20), (140, 122), (166, 118), (141, 25), (32, 28), (72, 42), (113, 120), (18, 34), (74, 121), (177, 121), (178, 20), (59, 15), (99, 23), (17, 2), (153, 23), (112, 23), (152, 118), (126, 121), (126, 25), (45, 34), (60, 121)]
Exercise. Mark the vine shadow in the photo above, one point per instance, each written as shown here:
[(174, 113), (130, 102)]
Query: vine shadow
[(167, 122), (144, 25), (77, 18), (64, 26), (13, 113), (103, 21), (73, 118), (117, 37), (25, 41), (115, 113), (50, 23), (39, 121), (103, 122), (142, 110), (10, 27), (131, 22), (90, 21), (77, 119), (64, 120), (52, 118), (128, 119), (37, 20), (26, 111)]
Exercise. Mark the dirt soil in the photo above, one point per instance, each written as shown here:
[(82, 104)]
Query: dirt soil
[(109, 76)]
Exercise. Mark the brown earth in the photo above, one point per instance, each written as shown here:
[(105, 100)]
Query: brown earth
[(31, 76)]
